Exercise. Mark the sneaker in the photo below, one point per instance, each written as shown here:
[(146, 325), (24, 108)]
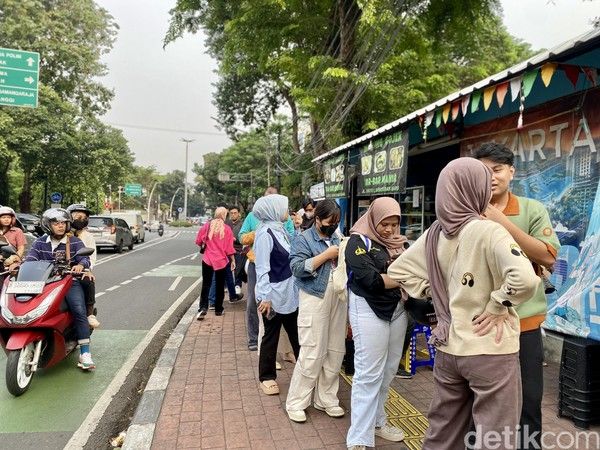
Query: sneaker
[(201, 314), (253, 347), (236, 299), (238, 290), (389, 433), (403, 374), (93, 321), (85, 361), (211, 307), (357, 447), (219, 313), (332, 411), (297, 416)]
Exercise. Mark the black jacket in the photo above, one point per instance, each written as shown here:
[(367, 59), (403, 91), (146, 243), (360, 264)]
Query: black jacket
[(364, 276)]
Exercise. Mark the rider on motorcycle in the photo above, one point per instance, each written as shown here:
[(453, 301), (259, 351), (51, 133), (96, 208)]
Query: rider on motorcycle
[(11, 234), (57, 245)]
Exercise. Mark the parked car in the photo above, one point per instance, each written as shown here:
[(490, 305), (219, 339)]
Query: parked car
[(136, 223), (110, 231), (31, 223)]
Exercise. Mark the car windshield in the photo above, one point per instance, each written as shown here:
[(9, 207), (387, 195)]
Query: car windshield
[(35, 271), (100, 222)]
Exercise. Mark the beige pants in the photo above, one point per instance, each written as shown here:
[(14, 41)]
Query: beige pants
[(283, 346), (321, 332)]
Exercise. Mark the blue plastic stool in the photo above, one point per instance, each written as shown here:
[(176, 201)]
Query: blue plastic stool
[(413, 362)]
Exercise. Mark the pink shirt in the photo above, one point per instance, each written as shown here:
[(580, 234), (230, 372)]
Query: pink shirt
[(15, 237), (218, 249)]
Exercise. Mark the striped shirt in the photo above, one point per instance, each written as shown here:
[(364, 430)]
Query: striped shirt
[(41, 250)]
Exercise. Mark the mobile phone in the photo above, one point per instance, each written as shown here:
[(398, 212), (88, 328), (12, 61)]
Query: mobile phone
[(271, 313)]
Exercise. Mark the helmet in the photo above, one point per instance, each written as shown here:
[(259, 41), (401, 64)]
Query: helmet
[(79, 207), (422, 311), (55, 215), (5, 210)]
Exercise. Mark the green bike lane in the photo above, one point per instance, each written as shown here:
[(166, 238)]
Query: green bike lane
[(134, 292)]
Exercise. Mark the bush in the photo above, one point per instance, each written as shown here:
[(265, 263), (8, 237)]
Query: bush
[(180, 223)]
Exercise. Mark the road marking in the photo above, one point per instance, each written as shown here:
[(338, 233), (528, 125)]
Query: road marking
[(137, 277), (81, 436), (143, 247), (113, 288), (194, 257), (126, 282), (175, 283), (100, 294)]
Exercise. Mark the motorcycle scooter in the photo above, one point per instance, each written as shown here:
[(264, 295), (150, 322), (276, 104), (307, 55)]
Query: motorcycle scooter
[(36, 327), (161, 229)]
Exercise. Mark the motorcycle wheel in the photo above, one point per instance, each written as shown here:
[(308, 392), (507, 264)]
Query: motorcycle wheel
[(18, 369)]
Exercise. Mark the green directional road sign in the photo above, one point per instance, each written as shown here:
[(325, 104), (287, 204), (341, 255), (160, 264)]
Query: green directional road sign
[(133, 189), (19, 76)]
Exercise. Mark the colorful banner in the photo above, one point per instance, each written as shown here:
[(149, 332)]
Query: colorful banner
[(334, 172), (383, 165), (558, 163)]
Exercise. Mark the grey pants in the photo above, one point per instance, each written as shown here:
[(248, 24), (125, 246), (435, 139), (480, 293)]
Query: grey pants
[(486, 388), (251, 307)]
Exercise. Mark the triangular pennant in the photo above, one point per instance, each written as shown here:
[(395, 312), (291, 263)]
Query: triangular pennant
[(446, 113), (488, 95), (515, 88), (438, 118), (548, 70), (475, 99), (572, 73), (465, 104), (428, 119), (592, 74), (528, 80), (455, 110), (501, 91)]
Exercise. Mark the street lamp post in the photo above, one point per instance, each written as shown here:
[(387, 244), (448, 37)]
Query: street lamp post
[(172, 200), (185, 181)]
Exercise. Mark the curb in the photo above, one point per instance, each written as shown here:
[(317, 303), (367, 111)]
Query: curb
[(141, 430)]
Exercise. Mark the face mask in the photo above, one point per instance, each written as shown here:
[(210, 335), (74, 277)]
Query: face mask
[(80, 224), (328, 230), (309, 214)]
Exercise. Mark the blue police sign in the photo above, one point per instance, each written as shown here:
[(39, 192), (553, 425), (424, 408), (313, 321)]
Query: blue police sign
[(56, 197)]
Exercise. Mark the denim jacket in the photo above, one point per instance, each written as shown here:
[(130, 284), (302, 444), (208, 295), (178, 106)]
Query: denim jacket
[(304, 248)]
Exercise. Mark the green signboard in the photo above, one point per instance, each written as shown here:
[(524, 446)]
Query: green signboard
[(19, 77), (334, 172), (383, 164), (133, 189)]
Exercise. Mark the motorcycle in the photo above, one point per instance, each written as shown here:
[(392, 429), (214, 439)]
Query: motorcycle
[(161, 230), (36, 327)]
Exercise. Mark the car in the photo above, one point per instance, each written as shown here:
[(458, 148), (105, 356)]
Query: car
[(136, 223), (31, 223), (112, 232)]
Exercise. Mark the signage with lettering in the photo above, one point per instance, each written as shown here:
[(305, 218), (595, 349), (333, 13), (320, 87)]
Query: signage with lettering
[(334, 172)]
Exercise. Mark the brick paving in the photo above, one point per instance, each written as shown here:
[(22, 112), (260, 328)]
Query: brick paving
[(213, 400)]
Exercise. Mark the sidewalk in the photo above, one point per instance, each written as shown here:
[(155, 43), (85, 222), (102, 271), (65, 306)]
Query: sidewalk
[(212, 399)]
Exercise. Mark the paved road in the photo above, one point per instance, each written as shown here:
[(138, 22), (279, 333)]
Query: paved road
[(134, 289)]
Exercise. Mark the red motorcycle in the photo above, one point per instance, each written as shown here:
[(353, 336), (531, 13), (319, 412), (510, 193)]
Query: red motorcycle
[(36, 327)]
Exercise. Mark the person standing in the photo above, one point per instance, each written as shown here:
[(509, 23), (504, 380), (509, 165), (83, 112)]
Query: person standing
[(274, 285), (218, 255), (235, 223), (475, 273), (321, 317), (528, 222), (377, 318)]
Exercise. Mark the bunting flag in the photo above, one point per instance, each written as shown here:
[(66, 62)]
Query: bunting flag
[(488, 95), (428, 119), (446, 113), (572, 73), (501, 91), (465, 104), (475, 99), (548, 70), (592, 74), (515, 88), (528, 80), (438, 118), (455, 110)]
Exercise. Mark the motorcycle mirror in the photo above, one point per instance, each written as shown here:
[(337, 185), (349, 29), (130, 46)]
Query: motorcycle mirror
[(85, 251), (8, 250)]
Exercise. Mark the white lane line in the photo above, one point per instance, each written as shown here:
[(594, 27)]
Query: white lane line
[(135, 250), (194, 257), (137, 277), (100, 294), (126, 282), (113, 288), (85, 430), (175, 283)]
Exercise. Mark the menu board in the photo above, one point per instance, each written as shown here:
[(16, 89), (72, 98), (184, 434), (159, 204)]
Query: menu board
[(334, 172), (383, 164)]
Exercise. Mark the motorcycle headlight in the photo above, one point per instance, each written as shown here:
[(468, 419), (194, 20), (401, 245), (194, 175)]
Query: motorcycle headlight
[(31, 315)]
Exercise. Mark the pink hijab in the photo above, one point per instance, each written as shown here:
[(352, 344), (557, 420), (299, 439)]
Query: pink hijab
[(462, 194), (217, 225), (381, 208)]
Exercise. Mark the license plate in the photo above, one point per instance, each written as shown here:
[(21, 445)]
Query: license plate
[(25, 287)]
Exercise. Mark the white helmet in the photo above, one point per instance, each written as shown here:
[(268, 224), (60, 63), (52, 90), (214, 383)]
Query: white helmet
[(55, 215)]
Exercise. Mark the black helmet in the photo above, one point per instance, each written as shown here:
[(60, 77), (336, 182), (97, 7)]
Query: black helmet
[(55, 215), (79, 207), (421, 311)]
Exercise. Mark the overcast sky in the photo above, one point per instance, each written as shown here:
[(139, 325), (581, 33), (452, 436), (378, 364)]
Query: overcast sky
[(172, 88)]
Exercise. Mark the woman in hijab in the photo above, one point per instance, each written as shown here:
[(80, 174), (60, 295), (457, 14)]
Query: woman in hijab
[(274, 285), (475, 273), (217, 239), (377, 318)]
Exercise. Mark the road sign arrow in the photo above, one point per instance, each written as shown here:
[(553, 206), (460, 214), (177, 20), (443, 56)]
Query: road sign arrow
[(29, 80), (30, 61)]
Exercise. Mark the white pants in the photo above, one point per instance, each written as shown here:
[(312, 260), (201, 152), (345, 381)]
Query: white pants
[(322, 333), (377, 353)]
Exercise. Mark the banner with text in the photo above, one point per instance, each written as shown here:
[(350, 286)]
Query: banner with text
[(557, 162), (334, 172), (383, 165)]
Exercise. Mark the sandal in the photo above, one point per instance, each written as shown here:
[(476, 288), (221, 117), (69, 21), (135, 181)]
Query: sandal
[(270, 387)]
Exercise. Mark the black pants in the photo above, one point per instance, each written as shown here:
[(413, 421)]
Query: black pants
[(531, 356), (89, 291), (268, 346), (207, 275)]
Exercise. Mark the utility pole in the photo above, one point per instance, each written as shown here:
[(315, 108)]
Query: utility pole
[(120, 191), (278, 162), (185, 181), (171, 205)]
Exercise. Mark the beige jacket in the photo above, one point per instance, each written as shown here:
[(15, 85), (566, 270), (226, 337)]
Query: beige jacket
[(483, 267)]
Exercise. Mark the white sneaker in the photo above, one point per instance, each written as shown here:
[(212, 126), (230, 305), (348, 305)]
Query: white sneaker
[(238, 290), (85, 361), (93, 321), (332, 411), (357, 447), (389, 433), (297, 416)]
